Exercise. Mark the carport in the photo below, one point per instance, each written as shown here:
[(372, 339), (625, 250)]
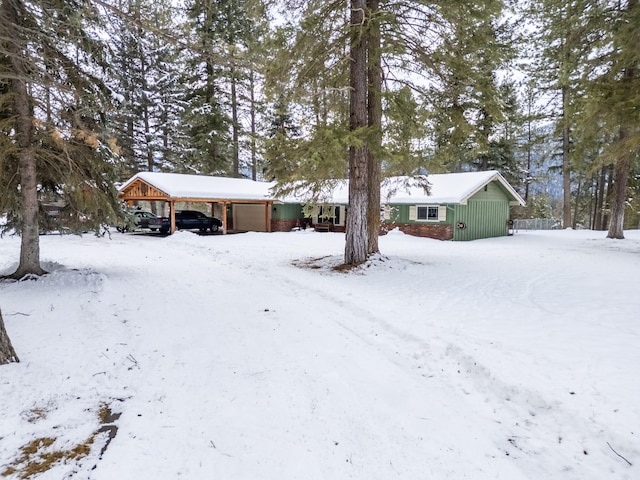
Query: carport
[(247, 197)]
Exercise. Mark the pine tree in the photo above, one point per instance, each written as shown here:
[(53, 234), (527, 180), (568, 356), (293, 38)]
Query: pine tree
[(307, 71), (357, 238), (205, 121), (406, 123), (374, 121), (590, 61), (617, 99), (469, 103), (561, 43), (53, 126), (503, 146), (282, 134), (224, 66), (233, 27), (532, 135), (146, 57)]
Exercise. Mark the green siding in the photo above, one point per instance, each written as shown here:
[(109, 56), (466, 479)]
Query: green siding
[(483, 219), (400, 214), (287, 211), (485, 214), (494, 192)]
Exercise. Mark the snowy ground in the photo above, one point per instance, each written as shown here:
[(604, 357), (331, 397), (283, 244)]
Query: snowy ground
[(247, 357)]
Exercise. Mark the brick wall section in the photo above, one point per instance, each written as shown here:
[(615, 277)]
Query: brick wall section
[(283, 225), (288, 225), (438, 232)]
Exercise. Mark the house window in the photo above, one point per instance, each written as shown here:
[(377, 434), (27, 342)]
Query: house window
[(329, 214), (428, 213)]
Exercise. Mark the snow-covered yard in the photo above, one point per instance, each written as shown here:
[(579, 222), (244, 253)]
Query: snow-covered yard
[(248, 357)]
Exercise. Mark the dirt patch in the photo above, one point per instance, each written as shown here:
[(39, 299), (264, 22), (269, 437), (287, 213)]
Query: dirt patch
[(311, 263), (336, 264)]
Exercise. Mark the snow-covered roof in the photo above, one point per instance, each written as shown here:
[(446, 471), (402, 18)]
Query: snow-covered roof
[(448, 188), (452, 188), (178, 185)]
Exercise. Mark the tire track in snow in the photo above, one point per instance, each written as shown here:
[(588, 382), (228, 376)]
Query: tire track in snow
[(533, 425)]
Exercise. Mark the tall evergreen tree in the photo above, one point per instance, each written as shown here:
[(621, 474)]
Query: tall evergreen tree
[(205, 120), (233, 27), (532, 135), (147, 80), (219, 81), (406, 128), (617, 100), (503, 144), (357, 238), (469, 102), (281, 133), (374, 121), (306, 66), (590, 61), (562, 41), (53, 122)]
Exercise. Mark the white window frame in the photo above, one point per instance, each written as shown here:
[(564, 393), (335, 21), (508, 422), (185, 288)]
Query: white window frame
[(341, 211), (441, 216)]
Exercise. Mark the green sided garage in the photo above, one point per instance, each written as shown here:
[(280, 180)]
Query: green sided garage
[(455, 206)]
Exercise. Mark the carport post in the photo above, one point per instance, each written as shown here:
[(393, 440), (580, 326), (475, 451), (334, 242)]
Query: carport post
[(267, 211), (172, 216), (224, 218), (213, 208)]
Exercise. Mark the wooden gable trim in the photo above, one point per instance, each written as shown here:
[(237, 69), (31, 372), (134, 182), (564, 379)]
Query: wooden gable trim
[(141, 190)]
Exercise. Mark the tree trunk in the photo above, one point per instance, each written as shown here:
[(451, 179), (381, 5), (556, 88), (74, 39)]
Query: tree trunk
[(598, 223), (566, 170), (374, 114), (148, 134), (616, 223), (254, 156), (357, 237), (235, 126), (30, 239), (7, 353), (593, 204), (622, 167), (575, 208), (606, 212), (148, 137), (529, 147)]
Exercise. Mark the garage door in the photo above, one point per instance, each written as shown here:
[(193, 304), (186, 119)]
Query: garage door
[(250, 217)]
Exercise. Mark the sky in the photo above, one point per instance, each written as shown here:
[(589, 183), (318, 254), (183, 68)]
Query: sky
[(250, 356)]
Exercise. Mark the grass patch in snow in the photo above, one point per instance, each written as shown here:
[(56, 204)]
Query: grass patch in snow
[(41, 454), (37, 456)]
